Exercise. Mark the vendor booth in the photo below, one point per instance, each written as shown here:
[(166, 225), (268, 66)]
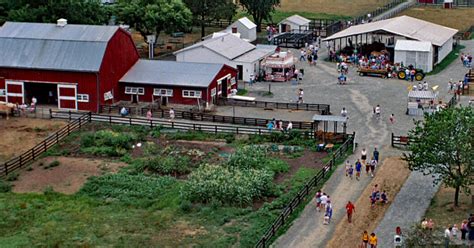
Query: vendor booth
[(279, 67), (420, 102)]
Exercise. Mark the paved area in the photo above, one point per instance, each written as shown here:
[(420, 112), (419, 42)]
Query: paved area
[(359, 96)]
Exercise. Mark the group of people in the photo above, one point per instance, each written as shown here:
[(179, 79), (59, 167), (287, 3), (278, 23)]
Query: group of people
[(452, 232), (367, 240), (421, 86), (310, 54), (377, 196), (466, 60), (370, 166), (323, 203), (278, 125)]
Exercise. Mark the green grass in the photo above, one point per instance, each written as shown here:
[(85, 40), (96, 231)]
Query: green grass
[(452, 56), (242, 92)]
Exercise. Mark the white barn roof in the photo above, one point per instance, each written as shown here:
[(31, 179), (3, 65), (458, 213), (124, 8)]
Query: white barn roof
[(246, 22), (413, 45), (297, 19), (226, 45), (406, 26)]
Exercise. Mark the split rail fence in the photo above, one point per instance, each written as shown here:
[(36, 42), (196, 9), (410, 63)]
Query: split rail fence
[(299, 198), (323, 109)]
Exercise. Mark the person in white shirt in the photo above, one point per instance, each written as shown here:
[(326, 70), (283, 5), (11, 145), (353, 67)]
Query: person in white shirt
[(447, 236), (289, 127), (377, 111), (344, 112), (172, 114), (324, 201), (425, 86), (300, 96)]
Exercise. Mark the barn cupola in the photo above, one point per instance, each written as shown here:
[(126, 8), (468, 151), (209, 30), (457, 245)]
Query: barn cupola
[(61, 22)]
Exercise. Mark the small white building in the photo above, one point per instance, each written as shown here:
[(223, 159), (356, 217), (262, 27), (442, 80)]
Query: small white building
[(230, 50), (294, 24), (245, 27), (417, 53)]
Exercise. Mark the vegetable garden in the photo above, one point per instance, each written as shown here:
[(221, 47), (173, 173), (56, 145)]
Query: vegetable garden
[(177, 188)]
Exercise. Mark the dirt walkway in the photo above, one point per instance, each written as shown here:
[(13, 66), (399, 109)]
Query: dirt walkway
[(390, 178)]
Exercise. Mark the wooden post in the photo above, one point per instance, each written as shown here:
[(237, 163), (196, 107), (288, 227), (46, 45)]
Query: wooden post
[(392, 140)]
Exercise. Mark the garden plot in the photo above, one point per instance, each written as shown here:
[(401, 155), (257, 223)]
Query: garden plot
[(178, 189)]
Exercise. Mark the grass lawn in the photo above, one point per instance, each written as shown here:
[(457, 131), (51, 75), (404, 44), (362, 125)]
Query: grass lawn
[(458, 18), (444, 213), (152, 202), (452, 56), (331, 7)]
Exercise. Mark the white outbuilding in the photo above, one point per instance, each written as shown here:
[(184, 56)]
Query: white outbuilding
[(230, 50), (245, 27), (417, 53), (294, 24)]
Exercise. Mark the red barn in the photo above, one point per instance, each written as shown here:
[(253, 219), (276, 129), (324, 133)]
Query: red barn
[(69, 66), (177, 82)]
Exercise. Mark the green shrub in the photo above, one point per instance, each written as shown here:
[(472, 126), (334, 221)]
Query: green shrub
[(5, 186), (277, 166), (227, 185), (137, 190), (29, 168), (169, 164), (13, 176), (52, 164), (185, 206), (107, 142), (277, 137), (248, 157)]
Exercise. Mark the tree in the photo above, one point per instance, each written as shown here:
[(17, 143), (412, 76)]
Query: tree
[(443, 146), (79, 12), (154, 16), (208, 10), (260, 10)]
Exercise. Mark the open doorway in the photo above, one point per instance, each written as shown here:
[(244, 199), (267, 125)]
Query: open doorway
[(225, 84), (45, 93), (240, 68)]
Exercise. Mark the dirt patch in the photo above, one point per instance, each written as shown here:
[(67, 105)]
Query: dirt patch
[(442, 209), (309, 159), (390, 177), (68, 177), (30, 131)]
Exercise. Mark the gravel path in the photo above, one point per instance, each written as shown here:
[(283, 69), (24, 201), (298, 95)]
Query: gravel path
[(410, 204)]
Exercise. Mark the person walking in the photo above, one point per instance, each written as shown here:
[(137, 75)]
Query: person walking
[(377, 111), (376, 154), (350, 208), (149, 115), (447, 236), (365, 239), (464, 230), (289, 126), (344, 112), (351, 171), (363, 155), (300, 96), (172, 114), (358, 168), (318, 200), (373, 240), (392, 119), (373, 165)]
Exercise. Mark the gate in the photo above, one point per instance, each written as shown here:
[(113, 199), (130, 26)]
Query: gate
[(67, 96)]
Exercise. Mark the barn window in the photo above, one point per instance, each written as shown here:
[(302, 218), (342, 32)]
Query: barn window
[(135, 90), (163, 92), (192, 93), (82, 97)]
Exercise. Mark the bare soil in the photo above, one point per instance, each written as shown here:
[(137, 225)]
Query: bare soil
[(390, 177), (68, 177), (30, 131), (309, 159)]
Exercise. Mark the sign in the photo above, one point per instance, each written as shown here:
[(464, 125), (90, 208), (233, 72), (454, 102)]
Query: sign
[(3, 92), (213, 92), (108, 95)]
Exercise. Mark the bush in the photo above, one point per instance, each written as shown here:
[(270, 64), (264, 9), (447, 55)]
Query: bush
[(13, 176), (227, 185), (249, 157), (138, 190), (169, 164), (52, 164), (5, 187), (277, 166), (107, 142)]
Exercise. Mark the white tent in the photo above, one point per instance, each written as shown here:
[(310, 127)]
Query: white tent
[(295, 24), (416, 53)]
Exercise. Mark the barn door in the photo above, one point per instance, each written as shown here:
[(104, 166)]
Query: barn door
[(15, 92), (67, 96)]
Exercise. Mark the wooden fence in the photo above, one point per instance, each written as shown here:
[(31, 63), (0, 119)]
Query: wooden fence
[(316, 181), (80, 119), (196, 116), (324, 109), (400, 141)]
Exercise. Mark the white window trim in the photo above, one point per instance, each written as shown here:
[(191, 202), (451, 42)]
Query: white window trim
[(83, 97), (134, 90), (197, 94), (157, 92)]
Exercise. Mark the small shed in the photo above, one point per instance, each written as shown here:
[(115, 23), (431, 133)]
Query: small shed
[(245, 27), (417, 53), (323, 130), (294, 24), (420, 102)]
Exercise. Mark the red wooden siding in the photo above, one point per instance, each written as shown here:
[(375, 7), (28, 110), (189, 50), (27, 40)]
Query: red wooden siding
[(119, 57), (67, 91), (2, 87)]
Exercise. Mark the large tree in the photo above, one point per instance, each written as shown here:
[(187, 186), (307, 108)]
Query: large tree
[(154, 16), (208, 10), (260, 10), (443, 146), (78, 11)]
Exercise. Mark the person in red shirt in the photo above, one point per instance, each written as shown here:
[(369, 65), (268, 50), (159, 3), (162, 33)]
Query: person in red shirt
[(350, 209)]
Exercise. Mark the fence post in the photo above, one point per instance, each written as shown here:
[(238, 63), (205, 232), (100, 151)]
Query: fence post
[(69, 115), (391, 141), (90, 117), (110, 119), (57, 137), (50, 114), (130, 118), (6, 169), (68, 127)]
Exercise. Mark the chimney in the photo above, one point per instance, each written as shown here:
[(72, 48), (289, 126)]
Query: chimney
[(62, 22), (234, 30)]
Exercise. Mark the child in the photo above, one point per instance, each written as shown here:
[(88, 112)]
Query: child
[(384, 198), (372, 201), (351, 171), (318, 200), (373, 164), (348, 165), (454, 231)]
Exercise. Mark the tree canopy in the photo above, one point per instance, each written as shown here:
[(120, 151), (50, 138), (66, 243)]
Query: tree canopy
[(154, 16), (208, 10), (443, 146), (78, 11), (260, 10)]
